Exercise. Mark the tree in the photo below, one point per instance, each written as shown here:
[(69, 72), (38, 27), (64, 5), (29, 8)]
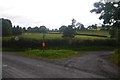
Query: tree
[(43, 29), (6, 27), (110, 13), (35, 29), (29, 29), (80, 26), (69, 31), (94, 27), (17, 30), (62, 28), (24, 30), (89, 27)]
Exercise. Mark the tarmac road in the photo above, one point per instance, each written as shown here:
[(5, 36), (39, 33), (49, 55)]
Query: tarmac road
[(17, 66)]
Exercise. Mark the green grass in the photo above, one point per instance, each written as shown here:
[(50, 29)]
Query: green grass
[(89, 37), (95, 32), (51, 54), (6, 38), (39, 36), (116, 57), (56, 36), (95, 48)]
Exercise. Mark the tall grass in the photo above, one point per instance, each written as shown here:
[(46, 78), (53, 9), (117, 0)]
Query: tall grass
[(116, 57)]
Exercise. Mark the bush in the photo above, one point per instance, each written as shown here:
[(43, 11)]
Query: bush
[(69, 32)]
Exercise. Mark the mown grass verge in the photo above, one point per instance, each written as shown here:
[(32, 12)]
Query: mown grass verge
[(116, 57), (50, 54)]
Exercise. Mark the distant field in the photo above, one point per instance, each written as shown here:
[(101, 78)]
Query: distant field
[(56, 36), (39, 36), (59, 36), (89, 37), (104, 33)]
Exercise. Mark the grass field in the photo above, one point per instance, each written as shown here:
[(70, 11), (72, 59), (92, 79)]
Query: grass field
[(90, 37), (95, 32), (56, 36), (59, 36), (39, 36), (51, 54)]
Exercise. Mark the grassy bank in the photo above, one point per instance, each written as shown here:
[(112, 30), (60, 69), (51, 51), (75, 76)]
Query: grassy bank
[(50, 54), (116, 57)]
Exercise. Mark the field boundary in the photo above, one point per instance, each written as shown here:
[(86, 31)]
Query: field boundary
[(91, 35)]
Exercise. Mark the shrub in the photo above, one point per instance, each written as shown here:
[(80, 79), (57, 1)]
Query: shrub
[(69, 31)]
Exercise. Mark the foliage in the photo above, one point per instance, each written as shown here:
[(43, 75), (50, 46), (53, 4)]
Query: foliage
[(25, 43), (17, 30), (6, 27), (92, 27), (116, 57), (69, 31), (80, 27), (41, 29), (62, 28), (110, 13), (50, 54), (115, 33)]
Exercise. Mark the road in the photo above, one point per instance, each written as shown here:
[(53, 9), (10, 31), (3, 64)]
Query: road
[(86, 66)]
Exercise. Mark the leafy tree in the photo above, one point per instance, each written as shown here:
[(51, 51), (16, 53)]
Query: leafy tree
[(80, 26), (89, 27), (24, 30), (17, 30), (62, 28), (43, 29), (110, 13), (35, 29), (92, 27), (105, 27), (6, 27), (29, 29), (56, 30), (69, 31)]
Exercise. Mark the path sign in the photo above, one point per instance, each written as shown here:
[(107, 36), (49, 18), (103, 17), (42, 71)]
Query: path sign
[(43, 44)]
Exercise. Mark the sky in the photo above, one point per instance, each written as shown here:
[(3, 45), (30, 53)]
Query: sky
[(50, 13)]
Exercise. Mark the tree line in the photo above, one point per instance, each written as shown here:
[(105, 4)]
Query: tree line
[(8, 29)]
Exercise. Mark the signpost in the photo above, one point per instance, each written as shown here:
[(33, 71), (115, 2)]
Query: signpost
[(43, 41)]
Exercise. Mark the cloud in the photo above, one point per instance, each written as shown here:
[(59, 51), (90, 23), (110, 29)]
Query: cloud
[(51, 13)]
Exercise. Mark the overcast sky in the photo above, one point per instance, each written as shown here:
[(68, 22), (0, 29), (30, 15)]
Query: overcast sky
[(51, 13)]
